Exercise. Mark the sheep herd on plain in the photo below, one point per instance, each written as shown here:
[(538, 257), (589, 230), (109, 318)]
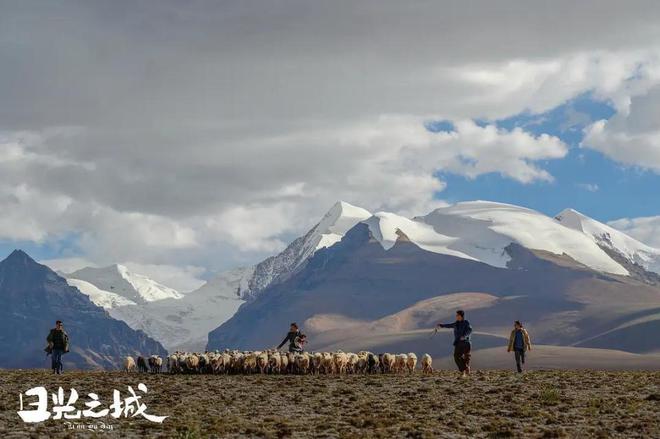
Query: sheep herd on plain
[(275, 362)]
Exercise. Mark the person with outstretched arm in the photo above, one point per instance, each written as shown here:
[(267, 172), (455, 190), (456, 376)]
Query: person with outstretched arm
[(58, 344), (462, 345), (519, 343), (293, 337)]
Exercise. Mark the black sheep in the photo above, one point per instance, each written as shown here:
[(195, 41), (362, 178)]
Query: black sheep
[(142, 365)]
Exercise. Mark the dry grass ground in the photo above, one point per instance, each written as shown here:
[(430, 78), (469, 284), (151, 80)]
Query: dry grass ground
[(489, 404)]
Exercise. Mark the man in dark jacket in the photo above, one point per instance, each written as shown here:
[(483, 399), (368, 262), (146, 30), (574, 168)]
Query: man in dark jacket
[(58, 344), (293, 337), (462, 345)]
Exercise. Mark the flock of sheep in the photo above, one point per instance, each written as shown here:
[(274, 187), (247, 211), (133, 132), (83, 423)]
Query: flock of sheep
[(275, 362)]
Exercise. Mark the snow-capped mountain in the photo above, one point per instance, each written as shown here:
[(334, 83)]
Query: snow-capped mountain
[(608, 237), (34, 296), (569, 287), (481, 231), (332, 227), (117, 279), (183, 321), (478, 231), (183, 324), (335, 223), (104, 299)]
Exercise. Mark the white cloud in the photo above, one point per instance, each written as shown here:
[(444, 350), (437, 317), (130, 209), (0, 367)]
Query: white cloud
[(67, 265), (233, 130), (631, 138), (590, 187), (386, 163), (644, 229), (182, 278)]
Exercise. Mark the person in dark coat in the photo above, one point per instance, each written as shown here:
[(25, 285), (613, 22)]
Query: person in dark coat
[(58, 344), (462, 344), (293, 337)]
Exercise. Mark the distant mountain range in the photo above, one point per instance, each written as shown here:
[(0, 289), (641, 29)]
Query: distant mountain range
[(116, 282), (572, 279), (183, 321), (34, 297)]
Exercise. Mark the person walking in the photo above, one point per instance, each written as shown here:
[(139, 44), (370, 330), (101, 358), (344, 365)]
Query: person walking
[(519, 343), (462, 344), (293, 337), (58, 344)]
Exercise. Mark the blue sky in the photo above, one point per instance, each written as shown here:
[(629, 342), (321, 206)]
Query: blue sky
[(585, 180)]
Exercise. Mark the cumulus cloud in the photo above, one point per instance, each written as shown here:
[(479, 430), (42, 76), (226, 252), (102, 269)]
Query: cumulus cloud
[(209, 135), (644, 229), (631, 138), (182, 278)]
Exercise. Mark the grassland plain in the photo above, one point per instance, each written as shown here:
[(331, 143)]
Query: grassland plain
[(490, 404)]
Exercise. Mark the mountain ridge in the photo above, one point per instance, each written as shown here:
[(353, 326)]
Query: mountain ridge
[(479, 231), (35, 296), (118, 279)]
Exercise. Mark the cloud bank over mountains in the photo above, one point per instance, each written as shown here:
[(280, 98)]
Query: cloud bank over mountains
[(207, 136)]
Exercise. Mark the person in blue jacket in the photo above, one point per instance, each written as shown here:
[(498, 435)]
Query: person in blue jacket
[(462, 345)]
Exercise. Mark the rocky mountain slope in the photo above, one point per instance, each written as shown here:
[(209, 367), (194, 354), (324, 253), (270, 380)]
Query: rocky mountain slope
[(34, 297), (565, 285), (566, 276), (184, 322), (614, 240)]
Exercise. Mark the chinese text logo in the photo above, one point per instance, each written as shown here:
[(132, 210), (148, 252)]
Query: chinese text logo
[(64, 408)]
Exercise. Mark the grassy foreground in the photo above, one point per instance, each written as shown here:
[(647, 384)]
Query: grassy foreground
[(488, 404)]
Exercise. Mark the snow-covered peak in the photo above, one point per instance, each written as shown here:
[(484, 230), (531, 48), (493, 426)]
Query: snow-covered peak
[(387, 228), (118, 279), (336, 222), (481, 230), (606, 236), (231, 284), (102, 298)]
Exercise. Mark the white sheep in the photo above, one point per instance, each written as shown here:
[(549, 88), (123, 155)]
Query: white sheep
[(411, 362), (317, 359), (353, 360), (172, 363), (275, 362), (302, 363), (284, 363), (192, 362), (250, 363), (129, 364), (362, 364), (400, 364), (389, 361), (262, 362), (341, 361), (427, 363), (327, 363)]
